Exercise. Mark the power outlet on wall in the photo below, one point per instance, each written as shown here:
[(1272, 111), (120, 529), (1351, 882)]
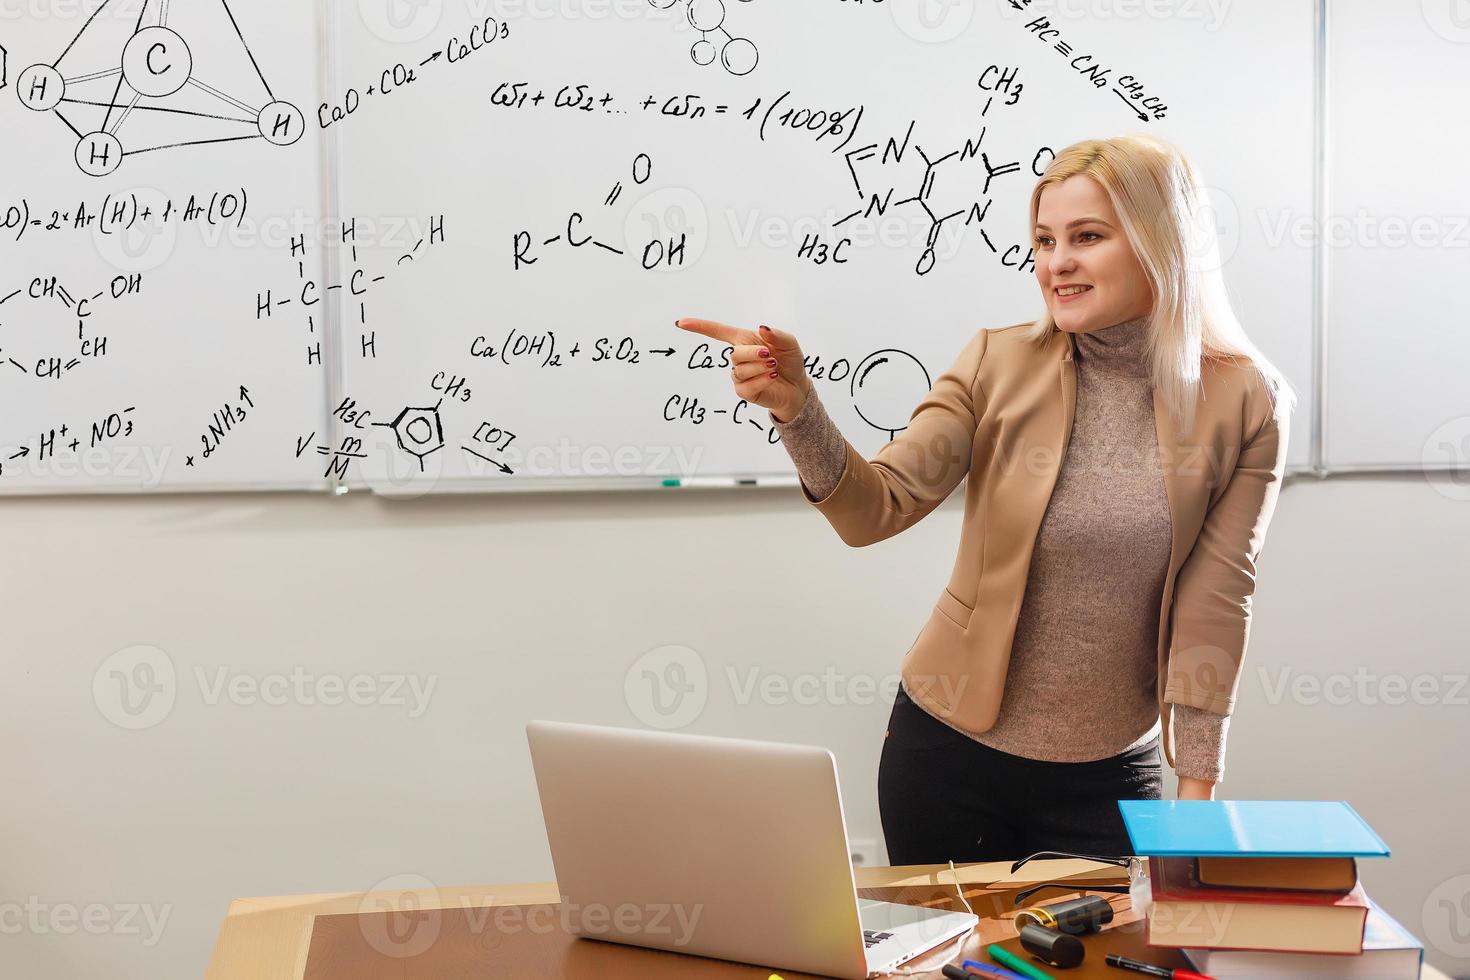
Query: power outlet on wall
[(864, 851)]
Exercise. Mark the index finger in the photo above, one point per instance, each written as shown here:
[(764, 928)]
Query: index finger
[(719, 331)]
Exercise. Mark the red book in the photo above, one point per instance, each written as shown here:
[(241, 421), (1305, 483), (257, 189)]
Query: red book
[(1185, 913)]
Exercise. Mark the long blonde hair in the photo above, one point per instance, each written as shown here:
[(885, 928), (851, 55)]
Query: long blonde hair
[(1164, 212)]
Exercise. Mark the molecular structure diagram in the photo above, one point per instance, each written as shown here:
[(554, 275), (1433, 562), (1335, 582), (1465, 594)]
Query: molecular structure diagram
[(737, 54), (356, 285), (973, 211), (420, 431), (30, 303), (158, 82)]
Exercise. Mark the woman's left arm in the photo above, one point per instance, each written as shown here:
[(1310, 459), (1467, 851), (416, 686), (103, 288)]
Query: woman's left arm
[(1212, 605), (1195, 789), (1199, 757)]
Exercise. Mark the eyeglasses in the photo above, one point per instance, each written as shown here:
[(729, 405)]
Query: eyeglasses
[(1135, 866)]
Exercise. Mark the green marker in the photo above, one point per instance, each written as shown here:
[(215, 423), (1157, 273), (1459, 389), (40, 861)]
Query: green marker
[(1005, 957)]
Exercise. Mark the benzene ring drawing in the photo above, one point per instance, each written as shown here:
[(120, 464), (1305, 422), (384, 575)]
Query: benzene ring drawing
[(420, 432), (170, 79), (737, 54)]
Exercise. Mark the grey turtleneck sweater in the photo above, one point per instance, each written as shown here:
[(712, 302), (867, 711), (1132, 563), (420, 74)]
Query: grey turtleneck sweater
[(1096, 578)]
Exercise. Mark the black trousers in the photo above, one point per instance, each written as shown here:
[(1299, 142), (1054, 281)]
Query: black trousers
[(944, 796)]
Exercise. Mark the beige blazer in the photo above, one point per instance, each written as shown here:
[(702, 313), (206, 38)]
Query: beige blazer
[(1003, 414)]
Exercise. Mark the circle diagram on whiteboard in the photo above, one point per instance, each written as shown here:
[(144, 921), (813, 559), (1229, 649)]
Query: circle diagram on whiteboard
[(886, 386)]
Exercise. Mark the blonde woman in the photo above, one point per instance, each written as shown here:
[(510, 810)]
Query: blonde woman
[(1125, 453)]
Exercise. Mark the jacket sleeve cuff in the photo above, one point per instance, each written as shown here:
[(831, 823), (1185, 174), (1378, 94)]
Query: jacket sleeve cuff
[(815, 445), (1199, 738)]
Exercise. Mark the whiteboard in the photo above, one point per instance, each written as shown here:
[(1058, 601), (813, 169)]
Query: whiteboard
[(601, 175), (460, 267), (1397, 336), (158, 162)]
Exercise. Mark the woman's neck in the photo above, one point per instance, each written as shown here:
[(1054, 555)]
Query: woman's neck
[(1120, 347)]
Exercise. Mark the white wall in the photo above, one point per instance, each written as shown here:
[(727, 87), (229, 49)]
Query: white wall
[(537, 607)]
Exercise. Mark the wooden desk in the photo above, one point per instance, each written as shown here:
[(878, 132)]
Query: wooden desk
[(453, 933)]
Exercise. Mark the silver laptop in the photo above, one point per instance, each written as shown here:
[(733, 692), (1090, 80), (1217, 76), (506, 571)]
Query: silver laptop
[(716, 847)]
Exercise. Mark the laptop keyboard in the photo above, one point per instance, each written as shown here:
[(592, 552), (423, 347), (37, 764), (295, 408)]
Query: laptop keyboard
[(871, 937)]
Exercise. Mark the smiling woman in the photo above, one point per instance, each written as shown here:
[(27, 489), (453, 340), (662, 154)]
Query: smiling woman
[(1100, 600), (1098, 278)]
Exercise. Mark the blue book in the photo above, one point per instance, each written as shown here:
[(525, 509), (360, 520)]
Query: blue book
[(1249, 828)]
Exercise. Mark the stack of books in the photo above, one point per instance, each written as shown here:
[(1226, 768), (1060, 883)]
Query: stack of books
[(1267, 888)]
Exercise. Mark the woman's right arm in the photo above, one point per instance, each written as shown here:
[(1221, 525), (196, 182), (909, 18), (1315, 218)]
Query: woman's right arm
[(815, 446), (912, 474)]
